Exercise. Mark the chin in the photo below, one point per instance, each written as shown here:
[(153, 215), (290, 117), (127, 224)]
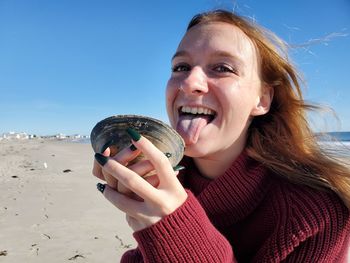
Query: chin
[(196, 151)]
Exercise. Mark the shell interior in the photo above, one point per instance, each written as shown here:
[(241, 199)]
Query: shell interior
[(111, 132)]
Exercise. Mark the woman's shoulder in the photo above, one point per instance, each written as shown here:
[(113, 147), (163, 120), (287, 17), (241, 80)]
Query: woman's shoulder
[(304, 218), (309, 208)]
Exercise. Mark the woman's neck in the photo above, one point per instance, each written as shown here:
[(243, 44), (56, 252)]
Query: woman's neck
[(216, 165)]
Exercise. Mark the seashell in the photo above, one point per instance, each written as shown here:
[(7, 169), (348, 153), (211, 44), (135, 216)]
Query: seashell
[(111, 132)]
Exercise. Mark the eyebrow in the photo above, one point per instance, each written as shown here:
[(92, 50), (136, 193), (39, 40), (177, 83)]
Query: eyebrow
[(219, 53), (180, 53)]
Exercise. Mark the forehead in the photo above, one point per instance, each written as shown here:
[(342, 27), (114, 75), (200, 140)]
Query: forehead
[(218, 36)]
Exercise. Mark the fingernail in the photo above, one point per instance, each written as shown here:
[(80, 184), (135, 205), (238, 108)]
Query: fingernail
[(101, 187), (133, 147), (178, 168), (133, 134), (101, 159)]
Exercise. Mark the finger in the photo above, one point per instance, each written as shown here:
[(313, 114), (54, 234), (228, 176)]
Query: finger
[(152, 180), (110, 180), (123, 202), (128, 178), (124, 190), (97, 171), (160, 162), (126, 155), (142, 167)]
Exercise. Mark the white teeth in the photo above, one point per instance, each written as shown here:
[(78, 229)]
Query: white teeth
[(197, 110)]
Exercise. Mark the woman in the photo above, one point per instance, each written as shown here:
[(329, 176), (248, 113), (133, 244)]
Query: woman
[(256, 188)]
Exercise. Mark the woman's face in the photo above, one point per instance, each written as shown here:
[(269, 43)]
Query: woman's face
[(214, 89)]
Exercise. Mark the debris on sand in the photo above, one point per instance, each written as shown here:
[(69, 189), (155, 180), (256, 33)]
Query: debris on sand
[(46, 236), (76, 256), (122, 244)]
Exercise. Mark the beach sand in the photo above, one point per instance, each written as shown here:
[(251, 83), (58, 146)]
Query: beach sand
[(50, 210)]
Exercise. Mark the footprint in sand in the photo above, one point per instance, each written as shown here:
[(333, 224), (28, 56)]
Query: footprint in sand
[(34, 250), (34, 226)]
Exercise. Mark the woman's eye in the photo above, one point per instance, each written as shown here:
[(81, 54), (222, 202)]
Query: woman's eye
[(224, 69), (180, 67)]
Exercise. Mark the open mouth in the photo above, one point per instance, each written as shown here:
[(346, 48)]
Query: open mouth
[(195, 112)]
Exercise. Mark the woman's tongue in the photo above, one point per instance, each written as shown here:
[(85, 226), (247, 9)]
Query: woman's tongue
[(189, 127)]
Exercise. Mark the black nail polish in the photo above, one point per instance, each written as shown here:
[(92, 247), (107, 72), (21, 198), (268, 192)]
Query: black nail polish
[(101, 187), (101, 159), (133, 147), (133, 134), (178, 168)]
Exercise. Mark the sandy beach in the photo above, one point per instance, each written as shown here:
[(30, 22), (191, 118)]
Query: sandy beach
[(50, 210)]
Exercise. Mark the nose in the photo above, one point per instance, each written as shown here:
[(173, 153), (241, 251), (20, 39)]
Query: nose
[(195, 81)]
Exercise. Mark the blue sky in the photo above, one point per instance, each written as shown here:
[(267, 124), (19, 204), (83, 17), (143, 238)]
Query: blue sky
[(65, 65)]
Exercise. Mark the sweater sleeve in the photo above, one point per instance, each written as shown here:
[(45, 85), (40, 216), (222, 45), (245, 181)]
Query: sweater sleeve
[(186, 235), (132, 256)]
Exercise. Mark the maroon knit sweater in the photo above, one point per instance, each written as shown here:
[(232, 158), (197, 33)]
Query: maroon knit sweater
[(247, 215)]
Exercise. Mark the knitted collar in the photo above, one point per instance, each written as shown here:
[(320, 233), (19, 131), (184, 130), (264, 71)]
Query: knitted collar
[(231, 196)]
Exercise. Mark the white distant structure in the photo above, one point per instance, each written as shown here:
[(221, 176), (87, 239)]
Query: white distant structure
[(24, 136), (15, 135), (61, 136), (76, 136)]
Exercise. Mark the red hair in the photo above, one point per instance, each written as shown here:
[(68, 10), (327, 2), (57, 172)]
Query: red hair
[(282, 139)]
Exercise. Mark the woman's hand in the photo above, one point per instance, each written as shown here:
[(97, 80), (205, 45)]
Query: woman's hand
[(157, 202), (123, 157)]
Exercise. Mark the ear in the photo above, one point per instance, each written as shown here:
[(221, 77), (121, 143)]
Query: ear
[(263, 101)]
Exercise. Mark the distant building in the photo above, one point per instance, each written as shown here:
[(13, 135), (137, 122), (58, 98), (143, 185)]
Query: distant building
[(15, 135), (76, 136), (61, 136), (23, 136)]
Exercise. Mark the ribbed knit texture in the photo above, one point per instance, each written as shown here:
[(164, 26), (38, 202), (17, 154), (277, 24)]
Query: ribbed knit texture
[(247, 215)]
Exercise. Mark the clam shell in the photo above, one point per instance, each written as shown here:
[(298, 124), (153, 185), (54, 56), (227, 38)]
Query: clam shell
[(111, 132)]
